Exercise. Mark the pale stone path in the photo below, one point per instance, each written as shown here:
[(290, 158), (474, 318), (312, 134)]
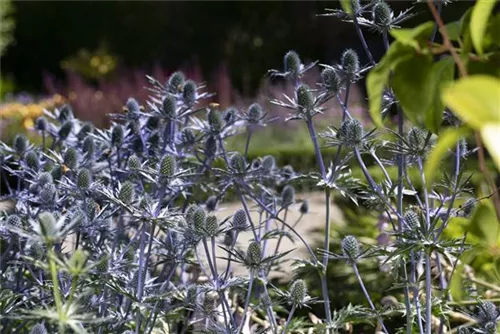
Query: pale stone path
[(310, 227)]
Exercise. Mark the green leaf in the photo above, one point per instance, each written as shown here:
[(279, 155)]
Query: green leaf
[(453, 30), (447, 139), (378, 77), (444, 72), (490, 133), (479, 20), (476, 99), (456, 287), (414, 37), (346, 6), (484, 225), (413, 83)]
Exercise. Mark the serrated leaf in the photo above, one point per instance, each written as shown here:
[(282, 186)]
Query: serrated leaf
[(445, 142), (413, 83), (479, 20)]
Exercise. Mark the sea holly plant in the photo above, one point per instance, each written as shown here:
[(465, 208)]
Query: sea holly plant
[(120, 230)]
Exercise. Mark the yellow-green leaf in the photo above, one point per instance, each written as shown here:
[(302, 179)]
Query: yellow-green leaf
[(476, 99), (491, 138), (484, 225), (479, 20), (443, 71), (456, 287), (413, 37), (346, 6), (447, 139), (378, 77)]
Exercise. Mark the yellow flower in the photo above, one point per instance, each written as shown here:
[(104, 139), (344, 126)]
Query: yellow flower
[(28, 123)]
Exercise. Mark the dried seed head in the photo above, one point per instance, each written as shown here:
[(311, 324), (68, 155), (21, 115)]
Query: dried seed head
[(31, 160), (211, 147), (416, 139), (134, 163), (199, 218), (132, 105), (169, 106), (304, 207), (190, 212), (211, 203), (211, 226), (287, 196), (210, 302), (189, 93), (215, 120), (65, 129), (15, 221), (412, 220), (254, 254), (175, 82), (71, 158), (288, 172), (469, 206), (44, 178), (48, 223), (65, 114), (240, 220), (229, 115), (254, 113), (350, 247), (85, 130), (351, 132), (36, 250), (127, 192), (491, 327), (153, 123), (20, 144), (487, 312), (91, 209), (188, 137), (57, 172), (463, 330), (103, 264), (350, 62), (331, 80), (382, 14), (38, 329), (89, 146), (168, 166), (298, 292), (41, 124), (268, 163), (228, 238), (84, 178), (117, 135), (292, 63), (137, 145), (305, 98), (48, 194), (238, 163)]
